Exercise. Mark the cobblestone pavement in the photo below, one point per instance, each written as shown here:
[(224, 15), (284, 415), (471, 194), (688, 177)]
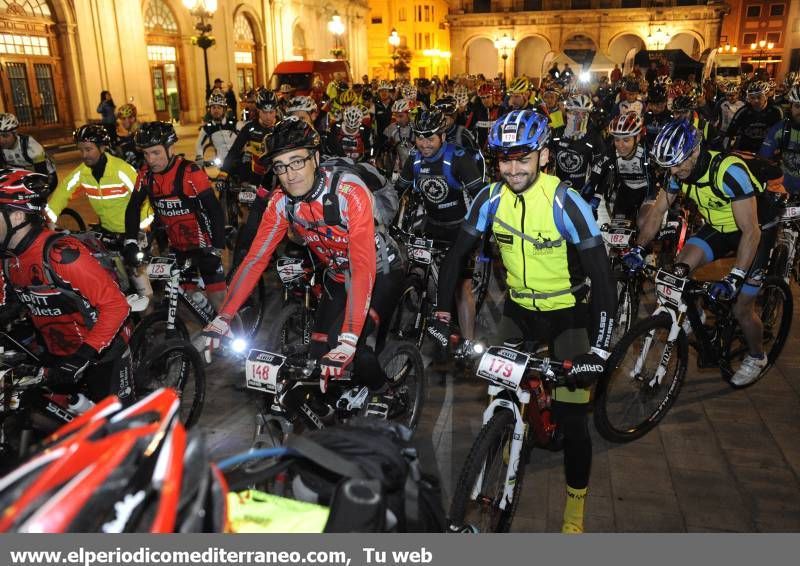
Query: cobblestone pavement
[(721, 460)]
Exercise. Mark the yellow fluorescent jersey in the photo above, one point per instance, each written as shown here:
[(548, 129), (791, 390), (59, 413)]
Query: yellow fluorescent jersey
[(109, 196)]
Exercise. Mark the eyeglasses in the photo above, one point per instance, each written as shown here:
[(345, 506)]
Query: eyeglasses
[(295, 165)]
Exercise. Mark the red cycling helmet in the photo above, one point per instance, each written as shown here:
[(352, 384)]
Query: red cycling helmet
[(23, 190), (118, 470)]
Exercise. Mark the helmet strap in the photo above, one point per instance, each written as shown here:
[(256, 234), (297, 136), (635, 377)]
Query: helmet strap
[(5, 245)]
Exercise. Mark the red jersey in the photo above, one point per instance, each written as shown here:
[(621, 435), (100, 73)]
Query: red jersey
[(93, 314), (349, 249), (188, 225)]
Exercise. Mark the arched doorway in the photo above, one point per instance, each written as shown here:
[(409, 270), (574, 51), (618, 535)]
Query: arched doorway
[(164, 55), (299, 49), (31, 67), (621, 45), (687, 43), (246, 54), (581, 49), (529, 56), (482, 58)]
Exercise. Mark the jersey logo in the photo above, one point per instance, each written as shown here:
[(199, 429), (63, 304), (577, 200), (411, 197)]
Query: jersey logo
[(435, 189), (569, 161), (506, 239)]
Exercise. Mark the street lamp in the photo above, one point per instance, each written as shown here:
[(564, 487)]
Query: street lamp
[(761, 45), (336, 27), (659, 39), (203, 10), (728, 48), (394, 41), (503, 45)]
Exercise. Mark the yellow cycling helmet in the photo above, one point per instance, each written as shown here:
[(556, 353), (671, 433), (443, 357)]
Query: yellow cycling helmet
[(348, 98), (519, 85), (126, 111)]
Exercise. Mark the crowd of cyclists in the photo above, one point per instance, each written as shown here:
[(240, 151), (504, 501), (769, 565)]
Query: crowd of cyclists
[(519, 172)]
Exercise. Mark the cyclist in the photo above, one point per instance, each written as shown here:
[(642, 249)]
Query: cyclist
[(181, 195), (454, 133), (249, 110), (484, 112), (783, 143), (242, 159), (724, 191), (399, 134), (549, 242), (684, 107), (729, 106), (447, 178), (518, 92), (123, 145), (551, 104), (362, 278), (633, 183), (656, 115), (576, 149), (24, 152), (304, 108), (383, 114), (630, 99), (750, 124), (74, 303), (219, 131), (350, 137)]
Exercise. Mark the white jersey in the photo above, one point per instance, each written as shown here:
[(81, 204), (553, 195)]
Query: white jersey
[(27, 153), (221, 134), (401, 137), (726, 111)]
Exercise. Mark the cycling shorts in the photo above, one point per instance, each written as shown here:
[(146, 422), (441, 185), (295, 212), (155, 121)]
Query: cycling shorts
[(448, 233), (717, 245), (209, 267)]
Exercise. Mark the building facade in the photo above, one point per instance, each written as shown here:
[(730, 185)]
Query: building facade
[(752, 22), (56, 56)]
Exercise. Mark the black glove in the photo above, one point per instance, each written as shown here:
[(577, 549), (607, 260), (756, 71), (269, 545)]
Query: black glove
[(66, 370), (439, 328), (130, 253), (222, 184), (586, 369)]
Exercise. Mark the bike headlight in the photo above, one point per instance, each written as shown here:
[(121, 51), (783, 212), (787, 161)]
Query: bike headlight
[(239, 345), (218, 162), (140, 256), (478, 348)]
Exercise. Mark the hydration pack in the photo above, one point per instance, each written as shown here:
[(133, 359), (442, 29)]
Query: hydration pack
[(384, 194)]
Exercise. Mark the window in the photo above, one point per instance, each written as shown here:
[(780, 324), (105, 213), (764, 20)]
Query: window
[(749, 38), (427, 41), (377, 20), (419, 14), (243, 57), (159, 17), (776, 10), (401, 15), (242, 29), (580, 4), (161, 53), (36, 8), (774, 37), (13, 44), (754, 11)]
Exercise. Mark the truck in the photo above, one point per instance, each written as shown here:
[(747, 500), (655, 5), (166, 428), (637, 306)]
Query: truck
[(301, 74)]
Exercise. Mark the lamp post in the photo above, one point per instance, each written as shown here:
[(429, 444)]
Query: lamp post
[(336, 27), (503, 45), (659, 39), (394, 41), (761, 49), (203, 10)]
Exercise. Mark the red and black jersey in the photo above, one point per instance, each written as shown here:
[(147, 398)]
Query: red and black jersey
[(183, 200), (90, 307)]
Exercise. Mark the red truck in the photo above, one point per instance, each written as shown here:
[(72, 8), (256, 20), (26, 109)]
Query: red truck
[(301, 74)]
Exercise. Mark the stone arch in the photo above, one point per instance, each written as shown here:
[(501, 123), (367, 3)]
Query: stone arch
[(580, 45), (248, 49), (481, 56), (622, 43), (688, 40), (529, 55)]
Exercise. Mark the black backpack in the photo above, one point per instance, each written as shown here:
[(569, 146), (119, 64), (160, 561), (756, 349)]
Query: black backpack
[(770, 190), (386, 198)]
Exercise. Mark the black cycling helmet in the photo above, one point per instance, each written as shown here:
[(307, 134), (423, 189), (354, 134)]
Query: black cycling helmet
[(657, 94), (93, 133), (151, 134), (428, 123), (684, 103), (447, 105), (288, 134), (266, 100)]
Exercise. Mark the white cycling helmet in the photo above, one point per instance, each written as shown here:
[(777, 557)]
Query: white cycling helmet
[(461, 94), (217, 99), (409, 91), (579, 103), (385, 85), (402, 105), (626, 125), (301, 104), (793, 96), (8, 122), (351, 121)]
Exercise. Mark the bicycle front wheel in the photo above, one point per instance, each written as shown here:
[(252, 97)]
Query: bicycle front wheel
[(643, 378), (178, 365), (70, 220), (405, 371), (483, 506)]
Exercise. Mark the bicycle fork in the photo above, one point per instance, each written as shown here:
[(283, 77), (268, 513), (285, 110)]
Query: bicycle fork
[(515, 450), (666, 355)]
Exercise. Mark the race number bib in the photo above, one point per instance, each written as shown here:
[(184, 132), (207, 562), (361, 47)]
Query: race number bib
[(261, 370), (669, 288), (159, 267), (420, 251), (503, 366)]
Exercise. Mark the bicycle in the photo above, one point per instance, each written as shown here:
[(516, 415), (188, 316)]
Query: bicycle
[(648, 365), (517, 419), (784, 258), (71, 221)]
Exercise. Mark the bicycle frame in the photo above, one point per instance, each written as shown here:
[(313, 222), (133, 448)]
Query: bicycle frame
[(174, 290)]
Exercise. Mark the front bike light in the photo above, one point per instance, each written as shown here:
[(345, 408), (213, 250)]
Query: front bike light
[(217, 162), (478, 348), (239, 345)]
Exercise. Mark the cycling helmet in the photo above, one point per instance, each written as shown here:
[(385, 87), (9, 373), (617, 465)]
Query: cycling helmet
[(446, 105), (117, 470), (151, 134), (663, 80), (675, 142), (731, 87), (93, 133), (756, 88), (385, 85), (486, 89), (520, 85), (266, 100), (351, 121), (428, 123), (217, 99), (793, 96), (409, 91), (22, 190), (8, 122), (518, 133), (348, 98), (626, 125), (579, 103), (250, 95), (684, 103), (126, 111), (301, 104), (461, 95), (289, 134), (342, 86), (657, 94), (632, 85), (402, 105)]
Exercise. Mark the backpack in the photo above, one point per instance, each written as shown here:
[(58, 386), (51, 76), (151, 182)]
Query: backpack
[(770, 189), (98, 250), (387, 201), (450, 151)]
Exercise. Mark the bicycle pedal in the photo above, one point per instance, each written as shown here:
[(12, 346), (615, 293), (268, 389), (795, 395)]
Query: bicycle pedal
[(377, 409)]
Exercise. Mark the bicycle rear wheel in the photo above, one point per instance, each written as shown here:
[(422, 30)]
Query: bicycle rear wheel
[(489, 460), (404, 321), (629, 399), (405, 370), (178, 365)]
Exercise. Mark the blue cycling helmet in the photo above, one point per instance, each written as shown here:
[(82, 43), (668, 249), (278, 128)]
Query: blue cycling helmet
[(675, 142), (519, 132)]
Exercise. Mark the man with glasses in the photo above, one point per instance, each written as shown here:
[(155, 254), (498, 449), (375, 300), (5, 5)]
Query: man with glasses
[(332, 211), (447, 178), (750, 124)]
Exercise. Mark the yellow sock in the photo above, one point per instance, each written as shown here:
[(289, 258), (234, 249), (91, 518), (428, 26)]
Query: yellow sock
[(573, 511)]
